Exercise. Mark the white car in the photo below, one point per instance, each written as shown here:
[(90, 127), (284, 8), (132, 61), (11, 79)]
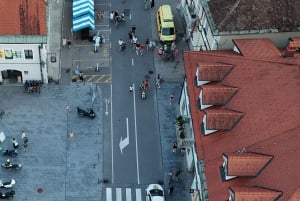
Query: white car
[(155, 192)]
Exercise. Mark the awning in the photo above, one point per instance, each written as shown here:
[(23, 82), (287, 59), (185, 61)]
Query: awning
[(83, 15)]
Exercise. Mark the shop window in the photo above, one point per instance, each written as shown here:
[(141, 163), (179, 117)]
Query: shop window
[(28, 54)]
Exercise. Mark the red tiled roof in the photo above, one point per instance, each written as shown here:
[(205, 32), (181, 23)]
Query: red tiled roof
[(246, 164), (255, 193), (268, 96), (296, 195), (217, 94), (239, 15), (264, 50), (213, 72), (23, 17), (222, 119)]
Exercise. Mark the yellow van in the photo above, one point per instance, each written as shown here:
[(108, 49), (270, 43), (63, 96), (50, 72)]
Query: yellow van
[(165, 24)]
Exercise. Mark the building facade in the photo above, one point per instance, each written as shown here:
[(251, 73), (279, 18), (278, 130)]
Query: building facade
[(23, 42)]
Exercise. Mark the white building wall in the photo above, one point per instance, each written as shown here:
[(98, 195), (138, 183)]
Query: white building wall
[(13, 58)]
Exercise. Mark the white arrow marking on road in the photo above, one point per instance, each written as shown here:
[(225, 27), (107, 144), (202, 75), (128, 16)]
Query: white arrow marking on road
[(132, 62), (125, 142)]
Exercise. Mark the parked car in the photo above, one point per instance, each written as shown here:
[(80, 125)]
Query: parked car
[(155, 192)]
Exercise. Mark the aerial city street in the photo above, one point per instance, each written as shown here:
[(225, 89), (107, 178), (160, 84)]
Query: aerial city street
[(115, 100)]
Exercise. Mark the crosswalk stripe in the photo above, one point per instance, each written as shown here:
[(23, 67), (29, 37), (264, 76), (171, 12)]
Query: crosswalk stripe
[(108, 194), (138, 194), (128, 194), (119, 194)]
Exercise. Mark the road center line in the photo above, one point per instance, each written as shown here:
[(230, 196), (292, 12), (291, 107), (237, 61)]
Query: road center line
[(136, 143)]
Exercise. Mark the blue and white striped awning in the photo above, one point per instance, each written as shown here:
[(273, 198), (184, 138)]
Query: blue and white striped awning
[(83, 15)]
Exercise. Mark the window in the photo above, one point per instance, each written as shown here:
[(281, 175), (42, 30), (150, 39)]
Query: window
[(28, 54)]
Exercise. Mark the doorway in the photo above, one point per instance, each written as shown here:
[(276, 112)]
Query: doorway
[(10, 76)]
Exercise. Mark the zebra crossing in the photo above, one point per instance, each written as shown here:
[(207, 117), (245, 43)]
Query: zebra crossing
[(124, 194)]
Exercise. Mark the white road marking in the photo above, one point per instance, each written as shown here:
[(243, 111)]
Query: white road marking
[(119, 194), (138, 194), (128, 194), (136, 144), (112, 137), (108, 194)]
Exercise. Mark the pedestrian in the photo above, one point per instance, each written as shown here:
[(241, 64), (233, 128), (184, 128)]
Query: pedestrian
[(69, 42), (64, 42), (137, 48), (146, 85), (174, 146), (151, 3), (111, 15), (80, 76), (147, 43), (142, 86), (134, 41), (177, 173), (133, 29), (25, 143), (131, 88), (15, 143), (171, 99), (176, 52), (121, 43), (23, 134), (159, 52), (173, 46), (158, 80), (142, 47), (170, 174), (171, 189), (130, 36)]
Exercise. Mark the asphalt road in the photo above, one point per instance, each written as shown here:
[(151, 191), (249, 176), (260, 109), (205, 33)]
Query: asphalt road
[(139, 163)]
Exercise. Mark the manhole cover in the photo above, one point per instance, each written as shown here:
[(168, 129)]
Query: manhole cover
[(147, 77), (150, 72), (39, 190), (126, 12)]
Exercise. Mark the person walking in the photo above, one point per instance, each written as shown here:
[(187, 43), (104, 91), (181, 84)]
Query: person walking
[(147, 43), (134, 41), (121, 45), (133, 29), (158, 80), (25, 143), (146, 85), (130, 36), (64, 42), (131, 88), (174, 147), (15, 143), (160, 52), (171, 189), (137, 48), (142, 47)]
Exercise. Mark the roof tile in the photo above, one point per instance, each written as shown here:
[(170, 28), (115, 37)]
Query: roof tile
[(255, 193), (23, 17)]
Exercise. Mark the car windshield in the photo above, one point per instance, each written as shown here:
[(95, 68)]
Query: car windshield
[(167, 31), (156, 192)]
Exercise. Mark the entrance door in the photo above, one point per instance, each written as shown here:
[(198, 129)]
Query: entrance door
[(11, 76)]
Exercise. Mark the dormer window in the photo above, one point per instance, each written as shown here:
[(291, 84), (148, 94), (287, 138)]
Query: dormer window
[(204, 129)]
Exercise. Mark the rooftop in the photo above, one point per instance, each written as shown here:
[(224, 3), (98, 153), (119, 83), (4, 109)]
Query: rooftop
[(268, 92), (239, 15), (23, 17)]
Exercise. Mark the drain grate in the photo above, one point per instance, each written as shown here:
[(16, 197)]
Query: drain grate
[(40, 190)]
